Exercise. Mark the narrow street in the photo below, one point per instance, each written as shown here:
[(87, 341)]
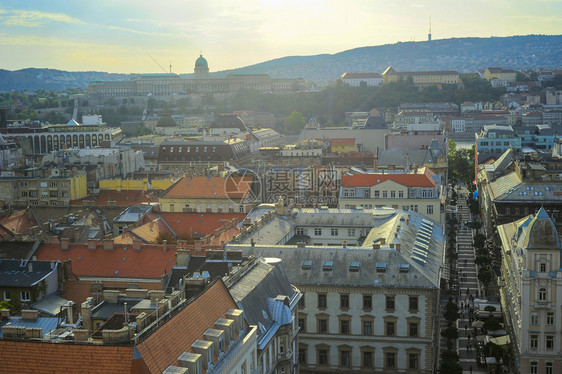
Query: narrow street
[(469, 289)]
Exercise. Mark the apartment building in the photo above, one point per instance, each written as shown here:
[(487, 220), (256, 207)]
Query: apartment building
[(530, 291), (367, 308), (412, 192), (39, 188)]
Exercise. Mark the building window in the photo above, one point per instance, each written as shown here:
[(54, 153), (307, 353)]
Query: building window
[(344, 326), (302, 355), (400, 194), (389, 328), (385, 194), (323, 357), (367, 359), (377, 193), (430, 209), (25, 296), (390, 303), (549, 368), (301, 231), (393, 194), (550, 342), (367, 302), (367, 327), (534, 318), (317, 231), (345, 358), (389, 360), (413, 329), (543, 267), (550, 318), (241, 209), (542, 294), (322, 300), (322, 324), (334, 232), (350, 232), (413, 303), (302, 324), (344, 301), (534, 341), (413, 359), (534, 367), (7, 296)]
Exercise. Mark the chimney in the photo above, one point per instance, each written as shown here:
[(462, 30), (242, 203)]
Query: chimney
[(111, 296), (156, 295), (345, 243), (164, 245), (108, 244), (217, 337), (64, 243), (92, 244), (205, 349), (81, 335), (191, 361), (34, 333), (198, 245), (137, 244), (29, 314), (238, 316), (55, 240), (30, 267), (5, 313), (182, 257)]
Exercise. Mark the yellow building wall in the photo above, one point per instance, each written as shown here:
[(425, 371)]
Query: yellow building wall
[(344, 148), (126, 184), (78, 187), (162, 184)]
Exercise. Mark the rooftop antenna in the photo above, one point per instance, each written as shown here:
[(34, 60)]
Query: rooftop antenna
[(429, 35), (170, 67)]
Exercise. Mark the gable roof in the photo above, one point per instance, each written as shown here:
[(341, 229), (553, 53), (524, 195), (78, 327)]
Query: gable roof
[(369, 180), (122, 262), (165, 345), (16, 223), (24, 274), (40, 357), (199, 224), (210, 187)]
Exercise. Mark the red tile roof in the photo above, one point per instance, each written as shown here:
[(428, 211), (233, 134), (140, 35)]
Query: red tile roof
[(18, 222), (343, 141), (166, 344), (121, 262), (210, 187), (122, 198), (199, 224), (368, 180), (40, 357)]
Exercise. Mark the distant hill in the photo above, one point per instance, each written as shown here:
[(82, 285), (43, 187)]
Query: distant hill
[(52, 79), (462, 54)]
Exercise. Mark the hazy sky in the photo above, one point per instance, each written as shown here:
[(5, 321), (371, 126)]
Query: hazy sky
[(141, 36)]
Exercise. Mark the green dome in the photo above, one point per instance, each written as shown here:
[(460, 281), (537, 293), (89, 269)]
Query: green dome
[(201, 62)]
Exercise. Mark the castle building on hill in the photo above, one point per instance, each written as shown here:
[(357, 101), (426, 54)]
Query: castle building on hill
[(168, 84)]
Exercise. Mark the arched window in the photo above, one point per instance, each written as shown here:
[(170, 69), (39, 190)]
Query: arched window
[(542, 294)]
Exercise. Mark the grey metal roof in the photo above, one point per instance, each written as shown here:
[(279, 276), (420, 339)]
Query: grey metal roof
[(367, 276), (48, 324), (134, 213), (405, 157), (510, 188), (17, 273), (252, 292), (51, 305)]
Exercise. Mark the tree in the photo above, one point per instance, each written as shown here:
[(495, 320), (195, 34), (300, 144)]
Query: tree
[(484, 276), (294, 123), (450, 333), (492, 324), (451, 311), (482, 260)]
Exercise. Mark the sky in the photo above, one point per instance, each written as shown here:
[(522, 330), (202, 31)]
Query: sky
[(141, 36)]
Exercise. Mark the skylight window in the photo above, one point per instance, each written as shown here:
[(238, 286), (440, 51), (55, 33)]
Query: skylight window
[(306, 265), (354, 266), (328, 265)]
